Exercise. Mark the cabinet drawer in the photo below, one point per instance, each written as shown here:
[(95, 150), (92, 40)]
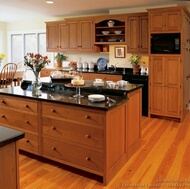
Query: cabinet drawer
[(73, 154), (19, 120), (29, 143), (73, 132), (18, 104), (73, 114)]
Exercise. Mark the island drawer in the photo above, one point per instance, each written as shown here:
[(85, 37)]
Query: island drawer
[(72, 154), (19, 120), (79, 134), (80, 115), (18, 104), (29, 143)]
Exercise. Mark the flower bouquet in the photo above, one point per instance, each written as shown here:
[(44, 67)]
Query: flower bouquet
[(36, 62)]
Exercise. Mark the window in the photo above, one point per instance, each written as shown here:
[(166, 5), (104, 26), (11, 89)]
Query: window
[(22, 43)]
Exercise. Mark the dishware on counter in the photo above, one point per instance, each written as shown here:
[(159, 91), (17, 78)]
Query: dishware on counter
[(96, 98), (112, 85), (98, 82), (84, 65), (101, 64), (91, 65), (79, 65), (121, 83)]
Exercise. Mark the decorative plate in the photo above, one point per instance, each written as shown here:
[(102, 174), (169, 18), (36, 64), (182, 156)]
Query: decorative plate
[(101, 64)]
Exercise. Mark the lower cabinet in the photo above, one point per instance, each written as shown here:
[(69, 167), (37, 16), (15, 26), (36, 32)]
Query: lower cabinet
[(165, 86), (94, 140)]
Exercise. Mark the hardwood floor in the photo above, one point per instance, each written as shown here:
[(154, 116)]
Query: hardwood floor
[(161, 162)]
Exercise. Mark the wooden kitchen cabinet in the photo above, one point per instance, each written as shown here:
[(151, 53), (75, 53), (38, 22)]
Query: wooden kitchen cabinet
[(165, 20), (80, 35), (52, 36), (137, 33), (22, 115), (104, 77), (56, 36), (165, 86)]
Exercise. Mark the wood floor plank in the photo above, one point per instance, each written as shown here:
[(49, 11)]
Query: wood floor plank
[(162, 161)]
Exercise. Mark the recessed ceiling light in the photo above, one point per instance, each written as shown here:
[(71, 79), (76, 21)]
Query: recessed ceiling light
[(49, 2)]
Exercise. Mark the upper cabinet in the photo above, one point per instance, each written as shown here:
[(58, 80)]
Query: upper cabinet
[(110, 30), (70, 35), (137, 33), (52, 36), (165, 20), (80, 35)]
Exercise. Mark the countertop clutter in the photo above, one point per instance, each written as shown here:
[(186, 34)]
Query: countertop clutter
[(63, 93)]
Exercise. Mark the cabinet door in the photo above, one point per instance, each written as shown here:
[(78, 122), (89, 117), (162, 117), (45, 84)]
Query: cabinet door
[(85, 36), (137, 34), (173, 21), (63, 36), (157, 78), (52, 37), (172, 86), (144, 34), (165, 86), (73, 35), (156, 21), (133, 34)]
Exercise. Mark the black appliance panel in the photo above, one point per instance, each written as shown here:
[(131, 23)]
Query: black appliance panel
[(140, 79)]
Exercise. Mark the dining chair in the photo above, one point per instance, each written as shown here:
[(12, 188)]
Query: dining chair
[(7, 75)]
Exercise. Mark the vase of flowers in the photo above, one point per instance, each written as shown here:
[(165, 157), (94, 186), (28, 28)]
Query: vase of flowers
[(36, 62), (2, 56), (135, 61)]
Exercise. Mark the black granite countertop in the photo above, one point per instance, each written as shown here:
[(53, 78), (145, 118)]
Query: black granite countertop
[(8, 136), (63, 93)]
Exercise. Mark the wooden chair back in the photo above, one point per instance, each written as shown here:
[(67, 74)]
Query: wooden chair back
[(7, 75)]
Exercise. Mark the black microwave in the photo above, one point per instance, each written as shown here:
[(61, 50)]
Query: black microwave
[(165, 43)]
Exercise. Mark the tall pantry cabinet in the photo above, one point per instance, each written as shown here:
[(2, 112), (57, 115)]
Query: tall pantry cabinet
[(169, 73)]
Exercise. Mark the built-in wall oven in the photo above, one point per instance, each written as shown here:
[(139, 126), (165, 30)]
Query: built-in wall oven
[(140, 79)]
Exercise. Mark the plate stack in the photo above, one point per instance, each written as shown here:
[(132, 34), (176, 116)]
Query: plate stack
[(96, 98)]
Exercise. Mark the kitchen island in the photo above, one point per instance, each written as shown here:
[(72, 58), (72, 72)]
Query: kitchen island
[(9, 177), (97, 137)]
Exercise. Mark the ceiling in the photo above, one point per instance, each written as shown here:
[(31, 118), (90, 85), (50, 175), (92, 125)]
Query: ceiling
[(20, 10)]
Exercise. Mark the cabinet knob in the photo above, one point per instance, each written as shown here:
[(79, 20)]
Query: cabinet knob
[(26, 106), (3, 116), (2, 101), (27, 141), (53, 128), (53, 148), (87, 116), (87, 136), (87, 158), (53, 110)]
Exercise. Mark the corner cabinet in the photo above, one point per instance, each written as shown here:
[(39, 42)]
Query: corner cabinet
[(165, 20), (165, 86), (137, 33)]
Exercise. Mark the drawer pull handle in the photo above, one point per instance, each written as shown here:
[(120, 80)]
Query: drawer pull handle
[(87, 158), (27, 141), (87, 116), (53, 110), (3, 116), (53, 128), (53, 148), (87, 136), (2, 101), (26, 106)]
